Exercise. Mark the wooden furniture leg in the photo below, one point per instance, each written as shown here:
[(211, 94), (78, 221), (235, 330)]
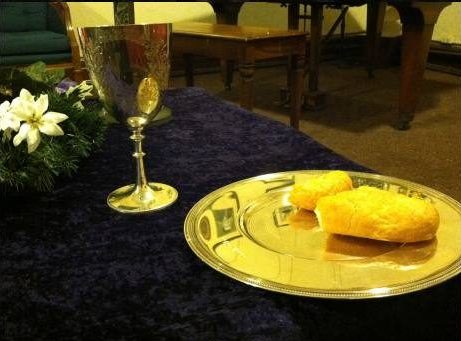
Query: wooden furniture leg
[(189, 69), (247, 70), (418, 25), (293, 15), (227, 73), (227, 13), (375, 20), (315, 99), (297, 65)]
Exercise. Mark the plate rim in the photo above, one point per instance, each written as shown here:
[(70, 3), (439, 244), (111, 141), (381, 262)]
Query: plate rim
[(444, 274)]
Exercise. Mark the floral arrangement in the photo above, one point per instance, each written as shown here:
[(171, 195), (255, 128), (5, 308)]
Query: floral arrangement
[(45, 129)]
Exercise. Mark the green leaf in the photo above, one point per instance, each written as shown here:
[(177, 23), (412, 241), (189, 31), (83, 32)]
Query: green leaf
[(54, 76), (38, 72)]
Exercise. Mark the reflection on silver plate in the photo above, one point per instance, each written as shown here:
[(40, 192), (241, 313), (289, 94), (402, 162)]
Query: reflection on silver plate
[(249, 231)]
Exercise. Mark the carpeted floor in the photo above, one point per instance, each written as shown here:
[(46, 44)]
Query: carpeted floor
[(357, 120)]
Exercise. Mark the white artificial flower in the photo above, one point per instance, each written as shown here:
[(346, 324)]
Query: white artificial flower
[(8, 121), (36, 119), (85, 88), (25, 96)]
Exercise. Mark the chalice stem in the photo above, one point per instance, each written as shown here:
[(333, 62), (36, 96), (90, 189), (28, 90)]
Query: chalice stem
[(137, 137), (143, 196)]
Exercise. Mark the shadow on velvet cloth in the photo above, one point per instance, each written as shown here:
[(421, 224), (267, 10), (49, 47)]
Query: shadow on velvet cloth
[(73, 269)]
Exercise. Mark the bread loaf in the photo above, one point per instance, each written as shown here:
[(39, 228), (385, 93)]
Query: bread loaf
[(373, 213), (306, 195)]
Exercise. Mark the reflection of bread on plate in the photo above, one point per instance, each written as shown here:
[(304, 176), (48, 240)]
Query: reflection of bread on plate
[(369, 251), (303, 219), (373, 213), (307, 194), (348, 247)]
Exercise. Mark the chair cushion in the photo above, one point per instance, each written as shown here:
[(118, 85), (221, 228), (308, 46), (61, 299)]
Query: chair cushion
[(33, 42), (27, 59), (23, 16)]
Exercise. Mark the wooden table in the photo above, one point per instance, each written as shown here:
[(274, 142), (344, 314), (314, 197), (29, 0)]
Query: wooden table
[(245, 45), (418, 19)]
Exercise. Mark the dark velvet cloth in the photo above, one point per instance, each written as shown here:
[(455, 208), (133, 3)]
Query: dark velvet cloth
[(73, 269)]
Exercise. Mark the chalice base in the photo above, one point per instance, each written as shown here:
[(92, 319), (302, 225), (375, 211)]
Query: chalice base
[(133, 199)]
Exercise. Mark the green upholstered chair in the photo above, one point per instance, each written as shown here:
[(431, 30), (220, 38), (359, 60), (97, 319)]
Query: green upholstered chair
[(39, 31)]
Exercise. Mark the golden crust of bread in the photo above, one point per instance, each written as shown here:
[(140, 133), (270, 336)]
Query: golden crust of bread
[(307, 194), (373, 213)]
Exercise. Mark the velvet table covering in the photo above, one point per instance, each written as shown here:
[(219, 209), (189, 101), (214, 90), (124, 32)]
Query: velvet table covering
[(73, 269)]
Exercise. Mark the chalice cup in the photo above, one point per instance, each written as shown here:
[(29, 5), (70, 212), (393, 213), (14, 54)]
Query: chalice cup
[(129, 66)]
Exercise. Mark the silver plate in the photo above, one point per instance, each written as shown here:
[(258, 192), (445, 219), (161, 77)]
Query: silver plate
[(249, 231)]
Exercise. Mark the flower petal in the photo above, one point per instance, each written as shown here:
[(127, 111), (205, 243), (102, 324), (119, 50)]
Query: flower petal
[(23, 110), (85, 89), (8, 120), (14, 123), (54, 117), (41, 105), (16, 101), (51, 129), (4, 123), (71, 90), (85, 85), (33, 139), (4, 107), (22, 134), (25, 95)]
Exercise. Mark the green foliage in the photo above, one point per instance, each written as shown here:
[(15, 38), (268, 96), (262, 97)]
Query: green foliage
[(13, 80), (55, 156), (39, 73)]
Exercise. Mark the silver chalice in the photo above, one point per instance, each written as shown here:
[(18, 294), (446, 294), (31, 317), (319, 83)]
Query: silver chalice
[(129, 66)]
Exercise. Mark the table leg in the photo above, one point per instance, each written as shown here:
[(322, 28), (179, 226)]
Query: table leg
[(418, 25), (189, 69), (315, 99), (375, 20), (293, 15), (227, 13), (227, 72), (247, 70), (296, 88), (293, 24)]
